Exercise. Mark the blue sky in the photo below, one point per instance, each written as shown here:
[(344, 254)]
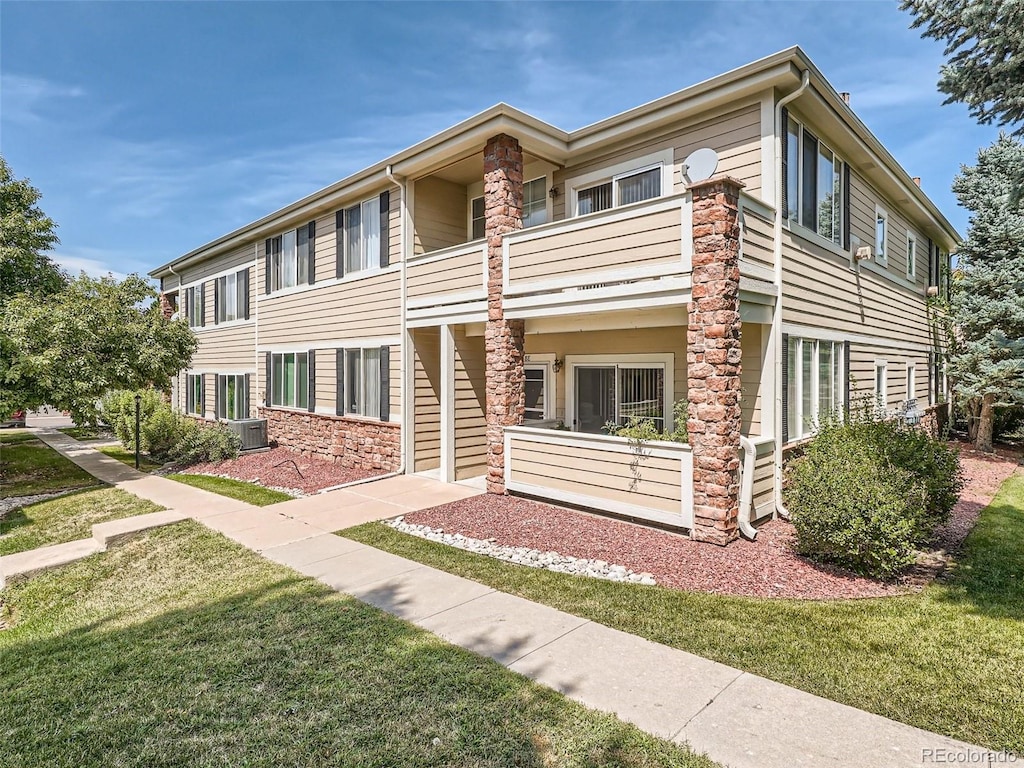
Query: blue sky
[(152, 128)]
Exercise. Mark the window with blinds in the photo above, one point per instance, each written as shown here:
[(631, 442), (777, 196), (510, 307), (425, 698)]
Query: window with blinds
[(362, 382), (623, 189), (362, 236), (616, 393)]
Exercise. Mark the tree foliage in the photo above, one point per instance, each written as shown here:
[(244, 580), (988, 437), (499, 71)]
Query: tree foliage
[(987, 305), (985, 40), (69, 348), (26, 233)]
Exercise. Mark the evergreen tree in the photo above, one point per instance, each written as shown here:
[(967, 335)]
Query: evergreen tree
[(986, 364), (985, 40)]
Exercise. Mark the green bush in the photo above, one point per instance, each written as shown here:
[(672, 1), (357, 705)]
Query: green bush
[(643, 429), (165, 434), (866, 493)]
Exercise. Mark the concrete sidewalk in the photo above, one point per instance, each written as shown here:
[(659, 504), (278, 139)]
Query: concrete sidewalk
[(738, 719)]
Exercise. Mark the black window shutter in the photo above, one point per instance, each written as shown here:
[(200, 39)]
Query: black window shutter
[(267, 382), (311, 237), (385, 383), (784, 134), (311, 387), (385, 227), (202, 395), (931, 262), (202, 303), (266, 265), (846, 377), (339, 382), (846, 206), (217, 381), (339, 244), (785, 388), (245, 396), (218, 290), (809, 203), (244, 277)]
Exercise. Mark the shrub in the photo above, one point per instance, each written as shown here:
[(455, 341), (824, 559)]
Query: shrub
[(642, 429), (161, 433), (118, 410), (205, 443), (867, 492)]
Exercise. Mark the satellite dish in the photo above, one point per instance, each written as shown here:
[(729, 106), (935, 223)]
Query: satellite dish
[(700, 164)]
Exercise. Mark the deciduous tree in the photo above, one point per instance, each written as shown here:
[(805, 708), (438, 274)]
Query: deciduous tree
[(26, 233)]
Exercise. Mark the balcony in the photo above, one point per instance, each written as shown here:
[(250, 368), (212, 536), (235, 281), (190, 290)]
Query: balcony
[(442, 285)]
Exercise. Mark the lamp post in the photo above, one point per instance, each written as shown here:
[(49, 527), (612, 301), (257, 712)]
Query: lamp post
[(138, 409)]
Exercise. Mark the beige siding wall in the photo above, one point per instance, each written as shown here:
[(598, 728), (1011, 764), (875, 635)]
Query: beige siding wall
[(239, 258), (862, 374), (654, 482), (863, 202), (226, 349), (758, 239), (439, 215), (356, 308), (752, 348), (458, 274), (327, 381), (426, 354), (764, 481), (735, 134), (470, 406), (631, 341)]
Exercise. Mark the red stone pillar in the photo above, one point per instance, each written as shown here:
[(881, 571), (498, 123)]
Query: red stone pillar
[(167, 306), (503, 211), (713, 359)]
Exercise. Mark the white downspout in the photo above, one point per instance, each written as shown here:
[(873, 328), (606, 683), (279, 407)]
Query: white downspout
[(177, 376), (403, 442), (777, 316), (747, 488)]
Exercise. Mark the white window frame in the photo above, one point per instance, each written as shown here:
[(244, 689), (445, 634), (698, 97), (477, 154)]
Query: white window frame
[(663, 159), (544, 200), (285, 265), (911, 255), (796, 403), (241, 404), (548, 386), (363, 408), (911, 381), (298, 379), (230, 299), (193, 386), (837, 160), (881, 396), (665, 361), (367, 260), (473, 219), (881, 251), (194, 307)]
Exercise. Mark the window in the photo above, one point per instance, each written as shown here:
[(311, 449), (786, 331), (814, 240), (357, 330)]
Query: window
[(231, 296), (289, 258), (603, 392), (881, 235), (626, 188), (911, 382), (362, 236), (911, 256), (881, 385), (290, 379), (232, 397), (814, 183), (194, 395), (537, 400), (815, 384), (535, 202), (363, 382), (194, 299), (477, 218)]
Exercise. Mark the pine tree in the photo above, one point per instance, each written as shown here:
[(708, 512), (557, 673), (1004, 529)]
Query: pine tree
[(986, 364)]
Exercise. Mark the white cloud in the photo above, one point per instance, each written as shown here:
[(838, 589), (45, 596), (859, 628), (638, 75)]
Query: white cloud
[(26, 98), (95, 262)]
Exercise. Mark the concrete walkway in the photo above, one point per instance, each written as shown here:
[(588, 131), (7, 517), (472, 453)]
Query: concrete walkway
[(738, 719)]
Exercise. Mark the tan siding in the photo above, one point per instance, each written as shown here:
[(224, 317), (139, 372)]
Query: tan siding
[(627, 341), (862, 374), (654, 482), (240, 257), (367, 307), (440, 215), (822, 291), (758, 239), (226, 348), (750, 378), (764, 480), (326, 381), (470, 405), (458, 274), (325, 247), (426, 355), (395, 227)]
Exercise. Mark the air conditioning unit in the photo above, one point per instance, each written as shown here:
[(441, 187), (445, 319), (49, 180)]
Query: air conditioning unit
[(863, 253), (253, 433)]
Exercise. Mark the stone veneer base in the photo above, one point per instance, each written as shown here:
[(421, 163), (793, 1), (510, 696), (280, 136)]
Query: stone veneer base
[(354, 443)]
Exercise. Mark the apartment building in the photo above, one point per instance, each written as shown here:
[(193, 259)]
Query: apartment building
[(481, 305)]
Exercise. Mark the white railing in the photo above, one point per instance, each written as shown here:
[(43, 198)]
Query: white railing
[(455, 275)]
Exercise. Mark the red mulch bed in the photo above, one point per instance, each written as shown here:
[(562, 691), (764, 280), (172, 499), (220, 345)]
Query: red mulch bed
[(284, 468), (766, 567)]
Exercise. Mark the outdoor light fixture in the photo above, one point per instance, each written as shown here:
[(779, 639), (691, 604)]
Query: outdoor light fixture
[(556, 366), (553, 193)]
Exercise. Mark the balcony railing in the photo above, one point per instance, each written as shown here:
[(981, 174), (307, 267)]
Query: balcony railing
[(456, 275)]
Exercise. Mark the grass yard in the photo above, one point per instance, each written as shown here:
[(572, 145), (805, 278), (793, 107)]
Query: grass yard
[(181, 648), (146, 464), (28, 466), (234, 489), (950, 659), (67, 518), (85, 433)]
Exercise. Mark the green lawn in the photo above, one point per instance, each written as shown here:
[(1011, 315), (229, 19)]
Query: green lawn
[(950, 659), (28, 466), (67, 518), (235, 489), (84, 433), (181, 648), (146, 464), (14, 436)]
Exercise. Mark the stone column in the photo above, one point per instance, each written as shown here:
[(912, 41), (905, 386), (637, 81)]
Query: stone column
[(166, 306), (713, 359), (503, 211)]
